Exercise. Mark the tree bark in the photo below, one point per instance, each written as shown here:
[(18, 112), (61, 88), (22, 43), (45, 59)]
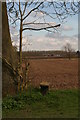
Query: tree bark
[(6, 39), (8, 53)]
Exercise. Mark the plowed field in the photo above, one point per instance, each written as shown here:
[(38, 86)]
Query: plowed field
[(60, 73)]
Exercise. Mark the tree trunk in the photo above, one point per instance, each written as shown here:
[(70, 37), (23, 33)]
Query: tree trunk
[(6, 40), (20, 47), (20, 83), (8, 52), (69, 55)]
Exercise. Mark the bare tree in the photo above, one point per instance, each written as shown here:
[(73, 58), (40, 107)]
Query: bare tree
[(68, 49), (31, 15), (21, 11)]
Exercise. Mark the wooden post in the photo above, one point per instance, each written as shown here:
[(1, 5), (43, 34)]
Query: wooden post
[(44, 87)]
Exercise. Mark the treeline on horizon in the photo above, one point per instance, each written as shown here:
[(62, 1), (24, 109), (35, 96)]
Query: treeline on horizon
[(57, 53)]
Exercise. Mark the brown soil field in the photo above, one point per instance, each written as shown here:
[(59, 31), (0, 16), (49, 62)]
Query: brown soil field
[(60, 73)]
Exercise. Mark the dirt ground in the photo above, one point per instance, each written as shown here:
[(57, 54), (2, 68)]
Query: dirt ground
[(60, 73)]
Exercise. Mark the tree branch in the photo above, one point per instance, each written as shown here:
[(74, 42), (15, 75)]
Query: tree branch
[(10, 66), (20, 8), (33, 10), (38, 29), (46, 13), (24, 8), (15, 20)]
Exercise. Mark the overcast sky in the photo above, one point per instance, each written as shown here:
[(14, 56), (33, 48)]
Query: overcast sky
[(42, 40)]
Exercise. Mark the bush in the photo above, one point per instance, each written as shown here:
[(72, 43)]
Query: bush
[(11, 103), (20, 100)]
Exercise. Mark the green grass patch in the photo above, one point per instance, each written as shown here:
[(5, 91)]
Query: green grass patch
[(32, 104)]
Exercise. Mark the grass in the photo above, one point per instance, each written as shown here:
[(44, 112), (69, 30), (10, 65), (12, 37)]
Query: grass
[(32, 104)]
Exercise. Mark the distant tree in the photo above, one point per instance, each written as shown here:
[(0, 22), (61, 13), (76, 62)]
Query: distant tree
[(68, 49), (78, 53)]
